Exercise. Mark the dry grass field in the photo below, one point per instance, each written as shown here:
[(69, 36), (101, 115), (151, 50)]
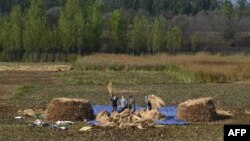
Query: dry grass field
[(137, 76), (201, 67)]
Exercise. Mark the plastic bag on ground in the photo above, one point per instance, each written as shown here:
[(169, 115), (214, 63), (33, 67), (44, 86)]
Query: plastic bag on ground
[(64, 123), (85, 128)]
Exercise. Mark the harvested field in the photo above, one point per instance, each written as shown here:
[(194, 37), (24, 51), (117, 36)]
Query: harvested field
[(6, 90), (36, 89)]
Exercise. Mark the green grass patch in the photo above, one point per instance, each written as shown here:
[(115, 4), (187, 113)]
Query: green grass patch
[(20, 92), (188, 76)]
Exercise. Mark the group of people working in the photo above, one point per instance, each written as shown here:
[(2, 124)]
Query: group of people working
[(127, 104)]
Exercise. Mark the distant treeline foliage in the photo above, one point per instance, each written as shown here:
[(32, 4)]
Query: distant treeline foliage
[(45, 30)]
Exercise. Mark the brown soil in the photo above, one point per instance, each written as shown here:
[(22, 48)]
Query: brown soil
[(6, 90)]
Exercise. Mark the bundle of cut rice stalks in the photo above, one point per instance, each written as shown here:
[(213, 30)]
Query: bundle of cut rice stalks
[(103, 117), (30, 112), (156, 102), (140, 119), (110, 88)]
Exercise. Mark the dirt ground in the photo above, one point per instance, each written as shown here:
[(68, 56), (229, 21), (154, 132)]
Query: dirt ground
[(6, 90)]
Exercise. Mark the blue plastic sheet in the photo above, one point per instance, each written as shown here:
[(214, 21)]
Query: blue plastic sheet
[(169, 112)]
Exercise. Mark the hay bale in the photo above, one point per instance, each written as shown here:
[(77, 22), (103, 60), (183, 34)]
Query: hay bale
[(197, 110), (66, 109)]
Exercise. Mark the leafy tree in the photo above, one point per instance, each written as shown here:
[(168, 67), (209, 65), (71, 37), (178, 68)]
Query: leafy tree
[(185, 7), (241, 7), (147, 5), (14, 29), (79, 31), (159, 39), (214, 4), (7, 5), (34, 28), (228, 10), (11, 35), (131, 4), (4, 34), (117, 32), (54, 3), (158, 6), (3, 31), (199, 5), (139, 36), (94, 27), (96, 22), (174, 40), (53, 15), (71, 26), (51, 43)]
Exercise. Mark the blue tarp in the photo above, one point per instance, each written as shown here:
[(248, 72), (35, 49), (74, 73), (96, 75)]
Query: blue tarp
[(169, 112)]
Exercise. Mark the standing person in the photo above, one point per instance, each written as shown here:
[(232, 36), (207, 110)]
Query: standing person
[(124, 104), (114, 100), (148, 103), (132, 105)]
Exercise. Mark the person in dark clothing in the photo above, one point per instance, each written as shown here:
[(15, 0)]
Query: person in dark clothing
[(148, 103), (114, 100), (131, 104)]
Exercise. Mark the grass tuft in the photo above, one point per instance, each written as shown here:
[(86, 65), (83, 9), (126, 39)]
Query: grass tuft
[(22, 91)]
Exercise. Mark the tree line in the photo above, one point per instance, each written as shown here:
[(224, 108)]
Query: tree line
[(152, 6), (42, 30)]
